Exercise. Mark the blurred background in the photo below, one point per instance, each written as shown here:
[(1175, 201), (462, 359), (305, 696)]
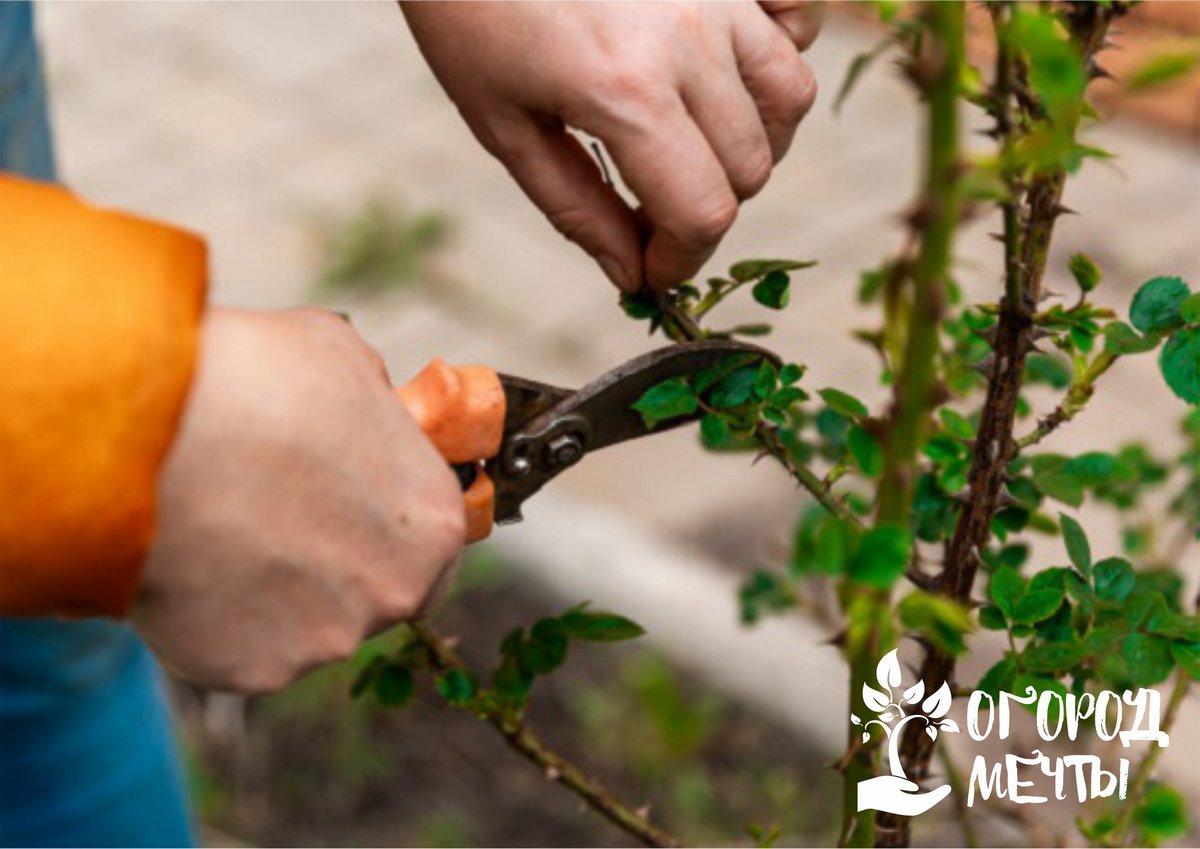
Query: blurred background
[(311, 146)]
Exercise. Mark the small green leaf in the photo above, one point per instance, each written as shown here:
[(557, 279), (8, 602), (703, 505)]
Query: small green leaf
[(999, 677), (790, 373), (765, 380), (365, 679), (456, 686), (511, 681), (753, 268), (762, 593), (394, 685), (843, 403), (1078, 548), (867, 451), (1180, 364), (956, 424), (1149, 659), (667, 400), (1054, 657), (1187, 655), (788, 395), (546, 648), (1189, 310), (1156, 304), (735, 389), (1103, 637), (1161, 814), (1120, 338), (714, 431), (941, 621), (1037, 606), (858, 65), (1114, 579), (1175, 626), (1161, 69), (992, 618), (882, 556), (599, 626), (1005, 589), (1085, 271), (773, 290)]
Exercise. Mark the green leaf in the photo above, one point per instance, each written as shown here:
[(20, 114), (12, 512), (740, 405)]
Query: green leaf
[(1156, 304), (1078, 548), (1051, 476), (1120, 338), (1005, 589), (751, 269), (999, 677), (599, 626), (1054, 657), (1054, 578), (1175, 626), (1103, 637), (867, 451), (765, 380), (714, 431), (1189, 310), (773, 290), (1188, 657), (1114, 579), (858, 65), (882, 556), (1097, 468), (790, 373), (511, 681), (843, 403), (1037, 606), (1149, 659), (956, 425), (735, 389), (1055, 69), (762, 593), (939, 620), (640, 305), (788, 395), (456, 686), (1180, 364), (1161, 814), (833, 542), (365, 679), (667, 400), (1143, 605), (992, 618), (1161, 69), (1085, 271), (546, 648), (394, 685)]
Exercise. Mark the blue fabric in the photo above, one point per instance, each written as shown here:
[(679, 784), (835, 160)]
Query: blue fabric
[(87, 751)]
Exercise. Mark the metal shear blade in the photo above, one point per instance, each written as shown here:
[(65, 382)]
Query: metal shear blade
[(548, 429)]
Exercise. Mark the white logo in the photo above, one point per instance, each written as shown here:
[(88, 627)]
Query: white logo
[(1056, 713), (895, 793)]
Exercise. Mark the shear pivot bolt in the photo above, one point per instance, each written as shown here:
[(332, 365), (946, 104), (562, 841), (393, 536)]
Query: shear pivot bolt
[(565, 450), (519, 466)]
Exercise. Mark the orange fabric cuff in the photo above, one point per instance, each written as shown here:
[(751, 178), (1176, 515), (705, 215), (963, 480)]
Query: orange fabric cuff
[(99, 329)]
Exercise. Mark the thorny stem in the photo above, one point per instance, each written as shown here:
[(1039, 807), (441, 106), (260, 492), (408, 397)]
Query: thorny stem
[(938, 64), (555, 767), (995, 446), (1078, 394), (1145, 769)]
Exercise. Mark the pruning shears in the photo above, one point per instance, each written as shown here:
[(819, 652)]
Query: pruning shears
[(507, 437)]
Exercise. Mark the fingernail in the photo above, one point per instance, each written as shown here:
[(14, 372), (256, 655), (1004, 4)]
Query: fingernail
[(616, 272)]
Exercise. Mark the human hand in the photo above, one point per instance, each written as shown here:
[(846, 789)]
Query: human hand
[(694, 101), (300, 510)]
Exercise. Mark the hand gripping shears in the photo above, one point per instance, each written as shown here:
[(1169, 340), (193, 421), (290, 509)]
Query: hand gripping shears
[(507, 436)]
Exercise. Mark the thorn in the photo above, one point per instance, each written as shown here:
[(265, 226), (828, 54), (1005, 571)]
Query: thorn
[(986, 366), (1097, 71), (1047, 295), (1004, 499), (553, 773), (963, 497), (643, 812), (990, 335), (928, 583), (1026, 345), (999, 237), (838, 639), (1058, 209), (1039, 333), (762, 453)]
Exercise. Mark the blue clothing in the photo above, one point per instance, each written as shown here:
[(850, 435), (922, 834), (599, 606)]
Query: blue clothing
[(87, 751)]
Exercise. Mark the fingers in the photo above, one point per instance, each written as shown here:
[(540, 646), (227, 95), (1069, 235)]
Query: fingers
[(729, 119), (560, 177), (799, 19), (780, 82), (671, 167)]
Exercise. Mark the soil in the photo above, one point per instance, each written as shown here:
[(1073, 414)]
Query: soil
[(311, 766)]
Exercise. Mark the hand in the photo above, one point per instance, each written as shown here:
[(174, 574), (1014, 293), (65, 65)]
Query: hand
[(694, 101), (300, 509)]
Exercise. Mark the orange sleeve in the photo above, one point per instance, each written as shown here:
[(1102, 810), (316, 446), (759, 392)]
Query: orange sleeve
[(99, 326)]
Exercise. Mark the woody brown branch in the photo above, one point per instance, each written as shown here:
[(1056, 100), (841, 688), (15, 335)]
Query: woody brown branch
[(995, 447)]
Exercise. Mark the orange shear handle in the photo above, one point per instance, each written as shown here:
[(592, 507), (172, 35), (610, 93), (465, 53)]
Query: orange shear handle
[(461, 410)]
